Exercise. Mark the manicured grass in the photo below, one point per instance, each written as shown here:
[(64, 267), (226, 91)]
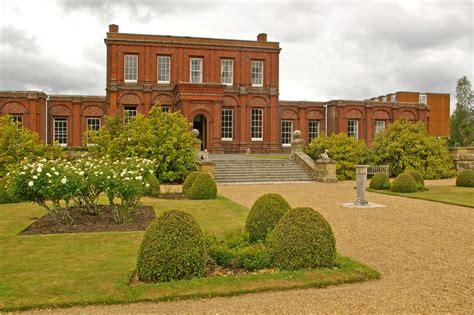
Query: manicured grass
[(461, 196), (60, 270)]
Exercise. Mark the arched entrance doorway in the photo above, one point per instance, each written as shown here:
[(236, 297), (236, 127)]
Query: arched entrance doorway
[(200, 123)]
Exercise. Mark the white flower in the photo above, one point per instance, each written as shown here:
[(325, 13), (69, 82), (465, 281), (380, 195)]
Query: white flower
[(53, 169), (56, 173), (39, 169), (81, 173), (151, 172), (22, 173), (35, 177), (64, 180), (138, 178), (122, 174), (47, 174), (30, 183), (108, 177), (147, 185)]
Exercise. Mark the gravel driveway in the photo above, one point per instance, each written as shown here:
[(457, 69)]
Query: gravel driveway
[(423, 250)]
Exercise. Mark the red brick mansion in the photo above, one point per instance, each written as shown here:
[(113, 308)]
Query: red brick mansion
[(228, 89)]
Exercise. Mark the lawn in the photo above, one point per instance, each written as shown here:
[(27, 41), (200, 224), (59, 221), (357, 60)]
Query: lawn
[(60, 270), (461, 196)]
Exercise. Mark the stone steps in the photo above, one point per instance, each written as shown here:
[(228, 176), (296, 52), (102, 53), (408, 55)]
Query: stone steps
[(259, 170)]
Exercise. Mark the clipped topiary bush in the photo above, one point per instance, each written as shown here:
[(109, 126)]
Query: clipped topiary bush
[(264, 215), (154, 189), (420, 182), (248, 257), (465, 179), (380, 181), (173, 248), (303, 239), (404, 183), (203, 187), (189, 181)]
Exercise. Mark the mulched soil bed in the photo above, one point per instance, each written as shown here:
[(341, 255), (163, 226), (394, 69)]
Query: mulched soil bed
[(84, 222), (174, 196)]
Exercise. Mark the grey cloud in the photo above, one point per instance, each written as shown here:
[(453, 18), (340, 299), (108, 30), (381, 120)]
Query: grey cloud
[(17, 39)]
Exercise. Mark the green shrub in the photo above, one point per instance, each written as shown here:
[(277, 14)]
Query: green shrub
[(236, 238), (173, 248), (248, 257), (420, 182), (404, 183), (303, 239), (203, 187), (380, 181), (5, 195), (153, 190), (162, 137), (404, 145), (264, 215), (189, 181), (346, 151), (465, 179), (17, 144), (254, 257)]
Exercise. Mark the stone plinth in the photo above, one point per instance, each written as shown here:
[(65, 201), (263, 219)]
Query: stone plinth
[(325, 171), (206, 166), (361, 183)]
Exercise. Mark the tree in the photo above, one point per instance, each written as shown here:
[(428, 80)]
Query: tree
[(345, 150), (404, 145), (17, 143), (162, 137), (462, 119)]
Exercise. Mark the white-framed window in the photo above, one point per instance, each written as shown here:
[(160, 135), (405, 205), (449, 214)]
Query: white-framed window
[(195, 70), (257, 73), (379, 126), (130, 68), (313, 130), (353, 128), (393, 98), (227, 71), (423, 99), (129, 112), (226, 124), (286, 132), (60, 131), (256, 127), (18, 119), (164, 63), (165, 108), (93, 123)]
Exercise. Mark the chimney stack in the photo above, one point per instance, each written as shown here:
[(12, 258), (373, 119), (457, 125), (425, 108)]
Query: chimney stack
[(262, 37), (113, 28)]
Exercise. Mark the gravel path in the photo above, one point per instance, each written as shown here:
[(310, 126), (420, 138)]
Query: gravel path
[(424, 251)]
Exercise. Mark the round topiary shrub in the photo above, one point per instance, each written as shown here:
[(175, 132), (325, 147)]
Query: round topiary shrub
[(404, 183), (303, 239), (380, 181), (189, 181), (264, 215), (465, 179), (203, 187), (154, 189), (173, 248), (420, 182)]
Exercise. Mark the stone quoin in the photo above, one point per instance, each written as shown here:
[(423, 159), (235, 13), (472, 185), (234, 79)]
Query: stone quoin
[(228, 89)]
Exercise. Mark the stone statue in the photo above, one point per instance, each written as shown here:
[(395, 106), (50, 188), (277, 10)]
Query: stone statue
[(325, 155)]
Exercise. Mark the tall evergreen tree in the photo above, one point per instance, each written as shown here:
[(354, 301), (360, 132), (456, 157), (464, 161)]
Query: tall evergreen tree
[(462, 119)]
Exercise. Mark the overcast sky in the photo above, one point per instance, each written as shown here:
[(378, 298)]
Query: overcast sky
[(330, 49)]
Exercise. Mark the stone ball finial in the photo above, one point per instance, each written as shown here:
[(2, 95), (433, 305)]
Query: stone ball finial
[(297, 134), (195, 132)]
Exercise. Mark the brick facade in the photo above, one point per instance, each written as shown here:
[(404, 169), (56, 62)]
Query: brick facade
[(203, 102)]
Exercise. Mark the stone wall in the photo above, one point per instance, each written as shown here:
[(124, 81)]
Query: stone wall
[(462, 157)]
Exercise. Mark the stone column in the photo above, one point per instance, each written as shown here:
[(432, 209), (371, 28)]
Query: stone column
[(297, 144), (361, 180)]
